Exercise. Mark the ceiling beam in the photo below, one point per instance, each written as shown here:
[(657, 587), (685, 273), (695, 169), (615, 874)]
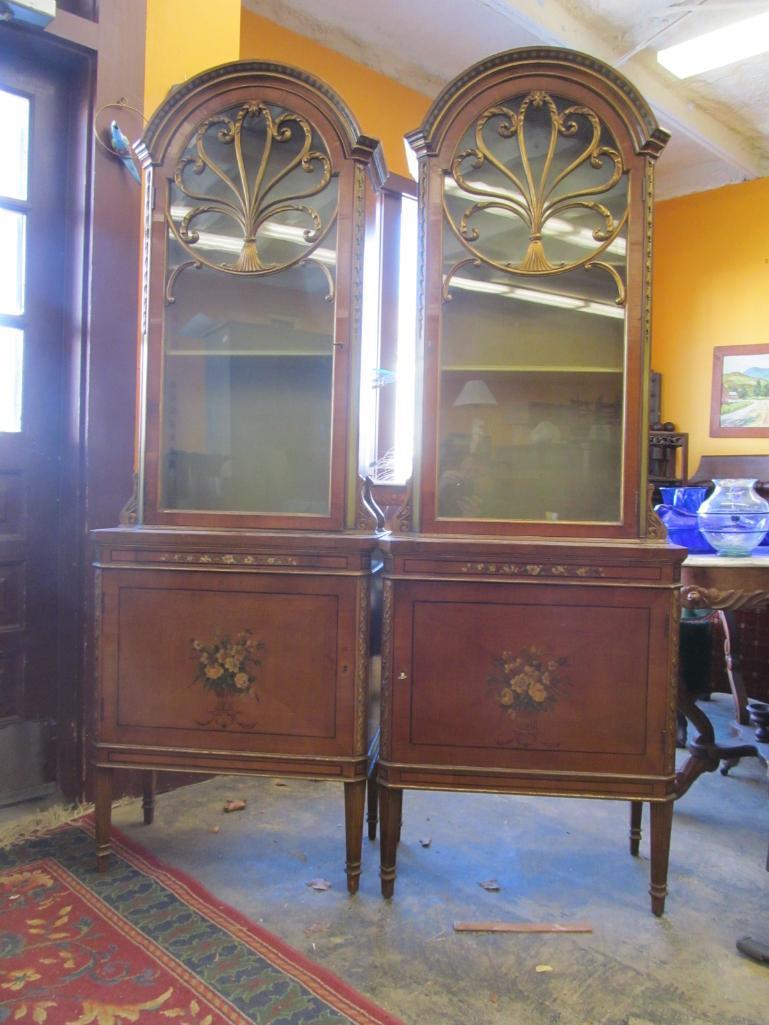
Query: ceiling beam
[(556, 26)]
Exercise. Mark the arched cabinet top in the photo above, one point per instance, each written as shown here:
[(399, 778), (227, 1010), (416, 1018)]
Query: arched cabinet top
[(536, 199), (569, 66), (184, 100), (257, 184)]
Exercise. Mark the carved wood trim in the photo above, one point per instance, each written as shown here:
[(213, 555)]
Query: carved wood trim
[(695, 597), (504, 569), (674, 647), (649, 137), (129, 514), (386, 685), (369, 516), (655, 528), (362, 662), (359, 146), (402, 521), (206, 558)]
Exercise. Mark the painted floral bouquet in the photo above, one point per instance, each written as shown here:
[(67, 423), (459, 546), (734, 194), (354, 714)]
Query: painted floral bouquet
[(528, 682), (227, 667)]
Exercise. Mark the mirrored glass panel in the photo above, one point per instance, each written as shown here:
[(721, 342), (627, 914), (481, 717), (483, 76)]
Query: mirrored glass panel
[(533, 324), (249, 328)]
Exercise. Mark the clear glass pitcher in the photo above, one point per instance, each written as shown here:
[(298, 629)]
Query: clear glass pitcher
[(735, 518)]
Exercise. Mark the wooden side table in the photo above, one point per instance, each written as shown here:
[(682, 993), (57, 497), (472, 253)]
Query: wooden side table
[(724, 585), (755, 949)]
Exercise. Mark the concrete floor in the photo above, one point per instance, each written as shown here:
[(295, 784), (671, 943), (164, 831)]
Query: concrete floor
[(555, 860)]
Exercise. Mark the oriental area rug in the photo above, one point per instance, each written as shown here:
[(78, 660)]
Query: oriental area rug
[(144, 944)]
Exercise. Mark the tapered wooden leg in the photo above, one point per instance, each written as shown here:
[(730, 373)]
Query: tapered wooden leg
[(354, 802), (148, 796), (636, 814), (661, 825), (390, 805), (372, 815), (103, 801)]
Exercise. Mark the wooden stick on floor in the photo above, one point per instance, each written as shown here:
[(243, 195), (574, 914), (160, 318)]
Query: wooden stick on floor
[(522, 927)]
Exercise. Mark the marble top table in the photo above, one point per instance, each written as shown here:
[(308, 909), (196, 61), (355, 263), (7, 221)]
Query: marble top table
[(720, 584)]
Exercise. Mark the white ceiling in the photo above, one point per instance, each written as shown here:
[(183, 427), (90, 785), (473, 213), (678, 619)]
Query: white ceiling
[(719, 121)]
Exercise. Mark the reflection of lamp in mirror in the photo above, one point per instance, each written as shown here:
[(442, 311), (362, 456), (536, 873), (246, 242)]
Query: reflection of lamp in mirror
[(476, 393)]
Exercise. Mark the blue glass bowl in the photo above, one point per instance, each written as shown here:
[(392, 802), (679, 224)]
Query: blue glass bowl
[(678, 512), (689, 499)]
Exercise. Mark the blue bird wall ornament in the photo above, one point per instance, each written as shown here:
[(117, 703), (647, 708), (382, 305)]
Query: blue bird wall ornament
[(120, 145), (383, 377)]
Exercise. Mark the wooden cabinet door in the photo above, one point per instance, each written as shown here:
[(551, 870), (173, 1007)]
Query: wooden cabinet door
[(234, 662), (531, 677)]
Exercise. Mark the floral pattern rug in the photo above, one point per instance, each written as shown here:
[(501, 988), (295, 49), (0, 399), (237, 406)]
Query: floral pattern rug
[(144, 944)]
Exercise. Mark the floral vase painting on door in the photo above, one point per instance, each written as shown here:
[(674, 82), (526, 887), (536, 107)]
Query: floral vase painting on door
[(227, 668), (526, 685)]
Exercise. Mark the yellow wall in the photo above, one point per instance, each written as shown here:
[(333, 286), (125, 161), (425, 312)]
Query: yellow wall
[(711, 287), (384, 108), (185, 37)]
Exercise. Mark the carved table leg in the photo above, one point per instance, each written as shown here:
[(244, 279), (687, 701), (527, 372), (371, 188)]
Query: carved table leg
[(705, 753), (354, 802), (390, 804), (736, 684), (661, 824), (757, 950), (103, 801), (148, 796), (636, 814)]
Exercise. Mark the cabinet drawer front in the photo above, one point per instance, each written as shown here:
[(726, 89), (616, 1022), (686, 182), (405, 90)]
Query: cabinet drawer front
[(229, 661), (533, 677)]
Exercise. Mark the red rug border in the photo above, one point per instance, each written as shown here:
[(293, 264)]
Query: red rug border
[(324, 976), (171, 964)]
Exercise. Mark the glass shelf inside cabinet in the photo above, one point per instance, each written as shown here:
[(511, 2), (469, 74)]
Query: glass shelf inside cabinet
[(532, 356), (248, 340)]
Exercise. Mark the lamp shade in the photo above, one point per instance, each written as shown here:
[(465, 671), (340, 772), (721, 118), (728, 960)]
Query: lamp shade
[(475, 393)]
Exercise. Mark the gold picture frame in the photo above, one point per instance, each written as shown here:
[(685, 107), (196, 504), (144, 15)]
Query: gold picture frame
[(739, 405)]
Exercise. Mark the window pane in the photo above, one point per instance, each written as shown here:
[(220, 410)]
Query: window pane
[(12, 230), (11, 360), (14, 145)]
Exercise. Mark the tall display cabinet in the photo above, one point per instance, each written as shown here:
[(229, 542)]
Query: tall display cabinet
[(530, 620), (233, 603)]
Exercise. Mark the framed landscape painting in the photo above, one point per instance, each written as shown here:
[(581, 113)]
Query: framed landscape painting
[(739, 406)]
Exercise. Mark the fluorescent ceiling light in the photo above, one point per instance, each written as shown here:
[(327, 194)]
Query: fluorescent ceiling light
[(603, 310), (727, 45), (533, 295), (471, 285), (530, 295)]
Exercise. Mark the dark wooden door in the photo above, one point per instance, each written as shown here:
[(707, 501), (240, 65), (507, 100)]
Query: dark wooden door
[(33, 294)]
